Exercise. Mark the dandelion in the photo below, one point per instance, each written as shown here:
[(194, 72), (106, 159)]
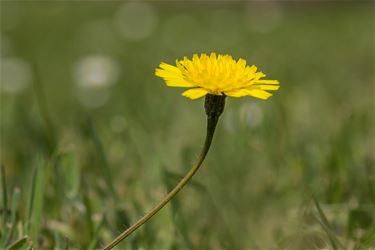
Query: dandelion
[(214, 77)]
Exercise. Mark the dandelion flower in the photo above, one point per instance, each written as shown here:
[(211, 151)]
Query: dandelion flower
[(216, 75)]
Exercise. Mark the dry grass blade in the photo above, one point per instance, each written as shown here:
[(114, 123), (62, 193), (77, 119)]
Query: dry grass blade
[(323, 221)]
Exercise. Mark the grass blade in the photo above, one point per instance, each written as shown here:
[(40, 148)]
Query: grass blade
[(69, 175), (90, 223), (5, 196), (19, 244), (94, 241), (13, 220), (169, 178), (31, 199), (178, 218), (103, 158), (35, 208), (323, 221), (43, 105)]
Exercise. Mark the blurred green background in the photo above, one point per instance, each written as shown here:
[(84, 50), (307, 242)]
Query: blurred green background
[(91, 139)]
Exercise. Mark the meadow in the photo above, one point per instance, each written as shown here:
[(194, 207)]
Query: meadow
[(91, 139)]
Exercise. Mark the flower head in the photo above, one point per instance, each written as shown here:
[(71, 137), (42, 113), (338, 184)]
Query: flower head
[(216, 75)]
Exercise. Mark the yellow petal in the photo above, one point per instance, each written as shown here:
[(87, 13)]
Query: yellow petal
[(195, 93), (164, 73), (237, 92), (173, 79), (213, 56), (178, 83), (261, 94), (267, 81), (268, 87), (241, 63), (169, 67), (259, 75)]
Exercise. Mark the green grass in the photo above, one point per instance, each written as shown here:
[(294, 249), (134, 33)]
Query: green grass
[(75, 176)]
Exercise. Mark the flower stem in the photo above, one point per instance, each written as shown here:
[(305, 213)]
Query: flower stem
[(212, 119)]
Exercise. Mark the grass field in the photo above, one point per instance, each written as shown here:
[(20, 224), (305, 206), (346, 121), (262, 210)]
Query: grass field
[(91, 139)]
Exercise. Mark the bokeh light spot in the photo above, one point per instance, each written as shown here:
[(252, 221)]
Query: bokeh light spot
[(94, 75), (96, 71), (251, 114), (135, 20), (93, 98), (16, 75)]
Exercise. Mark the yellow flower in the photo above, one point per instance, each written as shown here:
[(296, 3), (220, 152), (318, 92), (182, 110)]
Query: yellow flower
[(217, 75)]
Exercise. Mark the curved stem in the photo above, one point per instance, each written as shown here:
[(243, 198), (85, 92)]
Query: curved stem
[(211, 125)]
